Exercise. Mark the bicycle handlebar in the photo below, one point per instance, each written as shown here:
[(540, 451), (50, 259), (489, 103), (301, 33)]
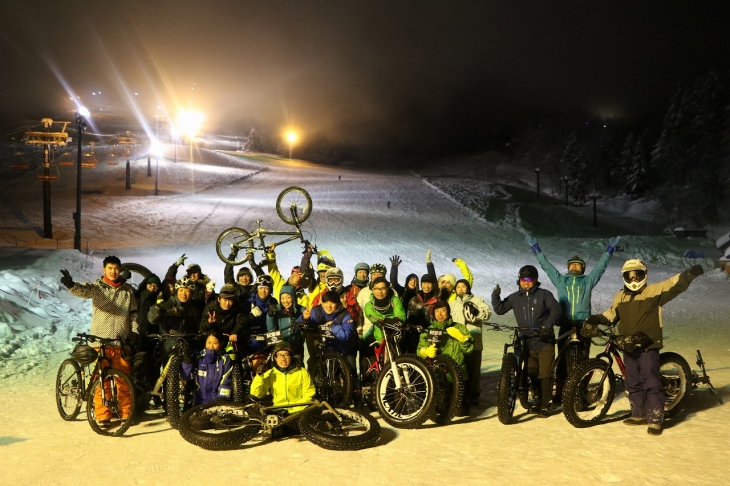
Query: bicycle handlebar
[(85, 337)]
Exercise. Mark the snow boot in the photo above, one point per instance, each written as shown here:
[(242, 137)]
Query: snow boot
[(635, 421), (654, 429)]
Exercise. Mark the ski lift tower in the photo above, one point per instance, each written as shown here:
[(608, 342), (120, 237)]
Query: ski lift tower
[(47, 139)]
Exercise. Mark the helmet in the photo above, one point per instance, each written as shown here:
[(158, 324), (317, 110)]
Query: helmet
[(184, 283), (580, 261), (634, 273), (528, 271), (323, 267), (265, 281), (334, 278), (377, 268), (84, 355), (362, 266), (324, 256)]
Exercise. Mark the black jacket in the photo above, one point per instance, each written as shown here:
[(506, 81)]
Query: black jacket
[(532, 309)]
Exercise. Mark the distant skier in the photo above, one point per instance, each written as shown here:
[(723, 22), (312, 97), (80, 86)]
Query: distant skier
[(388, 204), (339, 177)]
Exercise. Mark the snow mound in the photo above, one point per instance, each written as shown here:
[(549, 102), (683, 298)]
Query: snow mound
[(652, 250)]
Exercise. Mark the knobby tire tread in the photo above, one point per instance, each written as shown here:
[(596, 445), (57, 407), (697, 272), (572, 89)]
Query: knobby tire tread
[(335, 442)]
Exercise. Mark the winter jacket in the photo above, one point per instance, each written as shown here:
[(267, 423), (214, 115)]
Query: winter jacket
[(474, 328), (198, 293), (213, 375), (173, 315), (419, 308), (574, 291), (641, 311), (393, 310), (448, 345), (145, 301), (349, 301), (345, 340), (249, 326), (466, 273), (243, 292), (283, 319), (114, 310), (280, 281), (403, 292), (314, 294), (286, 387), (225, 320), (532, 309)]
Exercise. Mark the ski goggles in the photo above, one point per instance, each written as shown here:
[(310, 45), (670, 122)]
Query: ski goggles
[(527, 279), (634, 275), (334, 280)]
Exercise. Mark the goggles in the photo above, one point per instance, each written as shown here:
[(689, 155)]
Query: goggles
[(527, 279), (637, 275), (334, 280)]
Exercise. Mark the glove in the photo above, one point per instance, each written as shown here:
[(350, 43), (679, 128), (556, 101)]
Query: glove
[(272, 309), (456, 334), (181, 260), (234, 253), (256, 312), (696, 271), (66, 279), (210, 287), (186, 358), (125, 275), (533, 243), (543, 331), (593, 320), (471, 312), (395, 260), (428, 255), (260, 370), (429, 352), (612, 245), (496, 290)]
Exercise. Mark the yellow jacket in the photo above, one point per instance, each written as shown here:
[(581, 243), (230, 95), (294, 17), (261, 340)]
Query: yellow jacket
[(293, 387), (280, 281)]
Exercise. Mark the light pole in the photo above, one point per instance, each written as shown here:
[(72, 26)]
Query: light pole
[(537, 188), (565, 180), (80, 127)]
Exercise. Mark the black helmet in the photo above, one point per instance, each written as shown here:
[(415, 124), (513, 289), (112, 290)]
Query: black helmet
[(579, 261), (84, 355), (528, 271)]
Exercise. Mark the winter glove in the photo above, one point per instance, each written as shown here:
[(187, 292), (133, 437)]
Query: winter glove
[(497, 290), (696, 271), (272, 309), (260, 369), (543, 331), (428, 256), (186, 358), (181, 260), (471, 312), (210, 287), (533, 243), (593, 320), (66, 279), (612, 245), (256, 312), (456, 334), (429, 352), (395, 261)]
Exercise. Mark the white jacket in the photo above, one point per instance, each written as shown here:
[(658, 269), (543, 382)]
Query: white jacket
[(475, 328)]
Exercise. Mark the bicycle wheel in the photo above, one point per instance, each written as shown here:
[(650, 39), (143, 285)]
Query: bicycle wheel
[(139, 273), (117, 424), (409, 405), (352, 432), (507, 393), (176, 399), (69, 389), (451, 384), (676, 378), (333, 380), (218, 426), (230, 239), (573, 356), (367, 382), (294, 199), (585, 399), (238, 393)]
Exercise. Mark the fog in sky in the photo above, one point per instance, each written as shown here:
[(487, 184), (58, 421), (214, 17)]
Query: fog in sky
[(394, 74)]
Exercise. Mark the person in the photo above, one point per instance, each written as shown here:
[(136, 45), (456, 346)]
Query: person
[(333, 280), (294, 280), (203, 285), (252, 319), (419, 307), (325, 261), (383, 304), (283, 319), (145, 371), (377, 270), (147, 294), (180, 314), (456, 343), (244, 281), (388, 204), (113, 316), (574, 296), (211, 370), (407, 292), (472, 311), (221, 315), (447, 282), (360, 280), (536, 312), (637, 309)]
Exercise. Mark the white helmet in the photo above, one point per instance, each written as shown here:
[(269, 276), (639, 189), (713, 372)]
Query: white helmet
[(634, 273)]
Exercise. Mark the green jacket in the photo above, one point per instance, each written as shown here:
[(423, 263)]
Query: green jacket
[(395, 310), (295, 386), (448, 345)]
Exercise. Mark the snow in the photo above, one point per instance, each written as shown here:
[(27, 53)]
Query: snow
[(351, 220)]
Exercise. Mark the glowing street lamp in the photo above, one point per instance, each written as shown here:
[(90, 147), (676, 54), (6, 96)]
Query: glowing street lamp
[(188, 122), (291, 138)]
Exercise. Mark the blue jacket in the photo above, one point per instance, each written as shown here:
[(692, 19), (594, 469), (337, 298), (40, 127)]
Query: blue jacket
[(212, 372), (343, 328), (574, 291), (533, 309), (282, 320)]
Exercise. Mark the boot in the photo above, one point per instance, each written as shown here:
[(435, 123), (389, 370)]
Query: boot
[(546, 393)]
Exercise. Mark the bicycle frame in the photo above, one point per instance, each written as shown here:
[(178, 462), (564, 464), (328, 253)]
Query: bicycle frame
[(261, 233), (265, 416)]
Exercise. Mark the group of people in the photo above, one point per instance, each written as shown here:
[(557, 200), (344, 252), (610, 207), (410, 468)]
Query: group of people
[(315, 292)]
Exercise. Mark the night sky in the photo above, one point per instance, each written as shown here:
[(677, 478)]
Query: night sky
[(393, 75)]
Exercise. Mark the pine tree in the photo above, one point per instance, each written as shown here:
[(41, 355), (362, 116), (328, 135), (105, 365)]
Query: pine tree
[(636, 182), (574, 161)]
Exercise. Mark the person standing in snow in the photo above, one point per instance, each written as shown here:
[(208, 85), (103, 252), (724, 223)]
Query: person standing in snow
[(113, 316), (377, 270), (471, 310), (447, 282), (407, 292), (637, 309), (295, 278), (574, 296), (179, 314), (536, 312), (419, 311), (244, 277), (211, 369), (221, 315), (204, 286), (360, 280)]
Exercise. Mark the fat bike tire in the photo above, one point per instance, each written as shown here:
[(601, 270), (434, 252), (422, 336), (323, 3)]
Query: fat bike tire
[(231, 426), (676, 378), (411, 405), (452, 391), (508, 386), (176, 400), (333, 380), (367, 383), (585, 403), (353, 432)]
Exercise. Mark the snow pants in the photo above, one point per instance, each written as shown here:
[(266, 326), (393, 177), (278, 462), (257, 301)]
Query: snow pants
[(539, 369), (125, 398), (473, 362), (644, 384)]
